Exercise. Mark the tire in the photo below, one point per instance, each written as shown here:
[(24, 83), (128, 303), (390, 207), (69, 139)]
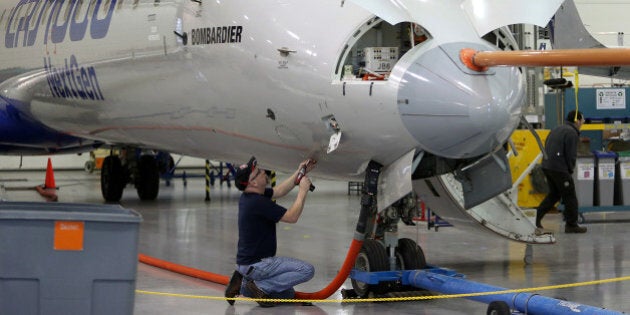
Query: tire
[(112, 179), (409, 255), (89, 166), (498, 308), (148, 178), (372, 257)]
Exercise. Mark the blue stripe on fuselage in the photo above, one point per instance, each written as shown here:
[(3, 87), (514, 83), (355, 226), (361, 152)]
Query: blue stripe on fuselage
[(21, 134)]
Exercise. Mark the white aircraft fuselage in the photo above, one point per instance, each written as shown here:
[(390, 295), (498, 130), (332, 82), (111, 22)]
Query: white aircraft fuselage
[(230, 79), (115, 71)]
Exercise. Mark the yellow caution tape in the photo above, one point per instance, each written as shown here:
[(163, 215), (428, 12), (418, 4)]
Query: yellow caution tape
[(409, 298)]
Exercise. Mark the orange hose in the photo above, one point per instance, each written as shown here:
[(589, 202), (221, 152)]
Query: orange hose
[(324, 293), (480, 60), (342, 275), (188, 271)]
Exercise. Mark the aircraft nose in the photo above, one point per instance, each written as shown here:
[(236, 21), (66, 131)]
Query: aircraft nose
[(456, 112)]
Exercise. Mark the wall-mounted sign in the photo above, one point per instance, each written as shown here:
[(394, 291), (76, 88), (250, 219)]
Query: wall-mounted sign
[(611, 98)]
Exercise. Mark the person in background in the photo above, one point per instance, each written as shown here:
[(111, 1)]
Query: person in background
[(259, 272), (561, 148)]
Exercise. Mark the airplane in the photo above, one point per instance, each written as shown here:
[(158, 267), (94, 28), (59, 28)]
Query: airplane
[(569, 31), (370, 89)]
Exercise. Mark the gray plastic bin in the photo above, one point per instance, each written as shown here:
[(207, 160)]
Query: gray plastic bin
[(67, 258), (605, 178), (584, 179), (622, 188)]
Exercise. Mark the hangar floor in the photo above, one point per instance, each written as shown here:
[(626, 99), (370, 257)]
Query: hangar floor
[(182, 228)]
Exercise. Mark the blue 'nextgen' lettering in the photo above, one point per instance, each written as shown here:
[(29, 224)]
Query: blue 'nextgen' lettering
[(52, 12), (73, 81)]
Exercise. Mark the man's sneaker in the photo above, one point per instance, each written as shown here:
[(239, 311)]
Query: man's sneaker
[(257, 293), (574, 229), (234, 287)]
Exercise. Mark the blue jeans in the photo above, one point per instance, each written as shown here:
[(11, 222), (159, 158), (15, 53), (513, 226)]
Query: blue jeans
[(276, 276)]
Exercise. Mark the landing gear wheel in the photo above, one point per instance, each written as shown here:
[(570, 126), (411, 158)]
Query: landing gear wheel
[(498, 308), (89, 166), (148, 180), (372, 257), (112, 179), (410, 255)]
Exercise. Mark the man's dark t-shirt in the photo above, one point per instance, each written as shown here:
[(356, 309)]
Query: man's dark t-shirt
[(257, 219)]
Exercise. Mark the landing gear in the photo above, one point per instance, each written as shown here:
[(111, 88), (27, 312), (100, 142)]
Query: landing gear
[(382, 250), (112, 179), (140, 169), (409, 255), (372, 257), (147, 179)]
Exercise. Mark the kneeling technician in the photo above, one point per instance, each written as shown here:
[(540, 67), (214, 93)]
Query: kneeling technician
[(259, 272)]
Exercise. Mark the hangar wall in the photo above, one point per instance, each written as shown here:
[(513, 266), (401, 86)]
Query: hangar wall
[(72, 161)]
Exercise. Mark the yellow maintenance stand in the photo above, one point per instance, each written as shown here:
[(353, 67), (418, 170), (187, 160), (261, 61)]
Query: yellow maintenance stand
[(528, 152)]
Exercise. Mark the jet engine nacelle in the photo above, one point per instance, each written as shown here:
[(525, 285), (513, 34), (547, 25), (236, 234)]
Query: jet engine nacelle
[(454, 112)]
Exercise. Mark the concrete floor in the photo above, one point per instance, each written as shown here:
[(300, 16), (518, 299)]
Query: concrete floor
[(181, 227)]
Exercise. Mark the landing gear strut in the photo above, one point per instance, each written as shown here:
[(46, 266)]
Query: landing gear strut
[(382, 250)]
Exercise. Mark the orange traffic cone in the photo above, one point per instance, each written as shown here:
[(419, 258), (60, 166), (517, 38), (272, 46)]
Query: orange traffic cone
[(49, 189), (49, 182)]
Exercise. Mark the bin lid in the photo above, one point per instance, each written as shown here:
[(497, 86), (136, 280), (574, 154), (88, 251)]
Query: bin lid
[(623, 153), (67, 211), (605, 154)]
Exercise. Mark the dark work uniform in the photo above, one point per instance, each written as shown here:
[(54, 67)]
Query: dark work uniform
[(256, 258), (257, 218), (561, 148)]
